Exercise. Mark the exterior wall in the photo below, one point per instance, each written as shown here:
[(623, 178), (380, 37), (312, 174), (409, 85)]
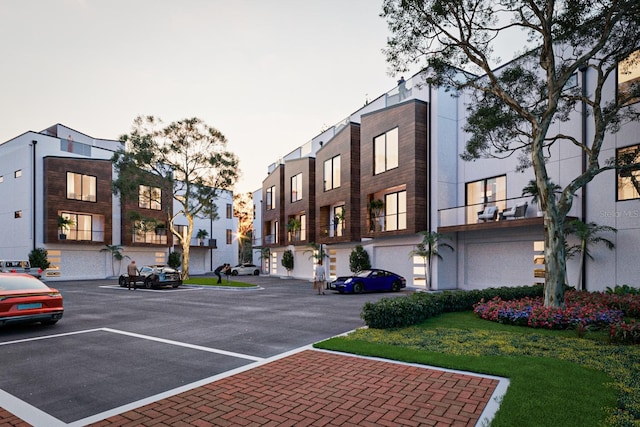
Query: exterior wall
[(276, 180), (411, 120), (40, 192), (306, 167), (346, 144)]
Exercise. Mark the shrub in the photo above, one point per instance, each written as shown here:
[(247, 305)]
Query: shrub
[(175, 259), (624, 332), (287, 260), (359, 259), (417, 307), (38, 258)]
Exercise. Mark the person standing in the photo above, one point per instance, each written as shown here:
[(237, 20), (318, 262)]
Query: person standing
[(132, 272), (319, 277)]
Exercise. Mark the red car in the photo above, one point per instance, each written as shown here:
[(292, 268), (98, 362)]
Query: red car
[(25, 299)]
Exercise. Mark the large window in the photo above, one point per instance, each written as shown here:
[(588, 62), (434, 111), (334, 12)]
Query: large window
[(332, 173), (296, 187), (338, 221), (395, 205), (629, 75), (270, 198), (150, 198), (229, 210), (629, 179), (485, 192), (385, 152), (84, 227), (81, 187)]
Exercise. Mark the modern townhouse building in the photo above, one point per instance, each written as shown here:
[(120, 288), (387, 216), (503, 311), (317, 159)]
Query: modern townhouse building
[(62, 173), (393, 169)]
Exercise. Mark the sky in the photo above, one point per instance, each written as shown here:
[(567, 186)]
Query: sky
[(270, 75)]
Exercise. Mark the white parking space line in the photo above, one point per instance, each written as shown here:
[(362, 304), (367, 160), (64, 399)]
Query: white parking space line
[(169, 393), (181, 344), (36, 417), (26, 412)]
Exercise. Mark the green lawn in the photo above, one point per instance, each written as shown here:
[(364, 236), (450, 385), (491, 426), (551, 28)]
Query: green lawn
[(213, 281), (557, 378)]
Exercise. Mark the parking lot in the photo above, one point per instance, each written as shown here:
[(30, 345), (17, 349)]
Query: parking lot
[(116, 347)]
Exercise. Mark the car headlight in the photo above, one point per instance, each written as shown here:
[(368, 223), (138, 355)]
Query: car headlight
[(348, 281)]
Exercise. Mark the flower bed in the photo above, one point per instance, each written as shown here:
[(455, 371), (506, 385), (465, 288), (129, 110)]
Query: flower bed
[(581, 309)]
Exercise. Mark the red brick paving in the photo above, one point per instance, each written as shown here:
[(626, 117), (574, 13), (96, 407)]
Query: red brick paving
[(314, 388)]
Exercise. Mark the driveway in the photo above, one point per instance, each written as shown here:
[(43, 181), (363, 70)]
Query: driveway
[(115, 346)]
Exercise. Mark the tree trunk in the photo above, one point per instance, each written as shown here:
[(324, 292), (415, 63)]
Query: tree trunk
[(555, 260)]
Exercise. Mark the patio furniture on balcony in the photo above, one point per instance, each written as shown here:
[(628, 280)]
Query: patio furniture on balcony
[(490, 213), (518, 210)]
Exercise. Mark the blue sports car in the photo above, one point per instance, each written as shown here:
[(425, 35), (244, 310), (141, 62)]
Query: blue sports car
[(373, 279)]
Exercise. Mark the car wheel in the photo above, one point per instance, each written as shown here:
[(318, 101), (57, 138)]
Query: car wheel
[(122, 281), (234, 272), (358, 288), (395, 286), (147, 283), (256, 273)]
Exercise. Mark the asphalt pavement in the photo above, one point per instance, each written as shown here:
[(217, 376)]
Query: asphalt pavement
[(115, 346)]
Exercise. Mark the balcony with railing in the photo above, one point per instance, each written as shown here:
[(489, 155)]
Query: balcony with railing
[(504, 213)]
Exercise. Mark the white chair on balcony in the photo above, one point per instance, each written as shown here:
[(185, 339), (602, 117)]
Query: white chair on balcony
[(490, 213), (519, 210)]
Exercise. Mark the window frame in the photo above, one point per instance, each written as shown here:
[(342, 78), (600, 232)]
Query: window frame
[(383, 162), (630, 81), (332, 174), (147, 191), (296, 187), (400, 213), (85, 179), (619, 178)]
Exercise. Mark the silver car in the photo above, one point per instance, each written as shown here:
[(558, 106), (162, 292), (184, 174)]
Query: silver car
[(245, 269)]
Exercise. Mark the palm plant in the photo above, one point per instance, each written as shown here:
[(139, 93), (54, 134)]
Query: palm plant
[(587, 234), (428, 249), (116, 253)]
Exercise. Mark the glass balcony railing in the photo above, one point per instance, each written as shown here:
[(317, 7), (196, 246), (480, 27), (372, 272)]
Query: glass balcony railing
[(505, 209)]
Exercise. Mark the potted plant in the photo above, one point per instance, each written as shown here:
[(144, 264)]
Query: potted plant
[(201, 235), (294, 225), (375, 209), (63, 225)]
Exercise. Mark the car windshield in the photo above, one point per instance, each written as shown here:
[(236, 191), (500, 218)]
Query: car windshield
[(364, 273), (11, 282)]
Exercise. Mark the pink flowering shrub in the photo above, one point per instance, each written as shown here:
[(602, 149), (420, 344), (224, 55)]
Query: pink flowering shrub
[(624, 332), (581, 309)]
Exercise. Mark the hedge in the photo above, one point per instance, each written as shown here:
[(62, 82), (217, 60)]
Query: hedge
[(415, 308)]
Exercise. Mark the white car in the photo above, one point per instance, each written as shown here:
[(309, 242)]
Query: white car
[(245, 269)]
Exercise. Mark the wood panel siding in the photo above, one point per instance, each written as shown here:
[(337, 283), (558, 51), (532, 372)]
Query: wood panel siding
[(55, 195), (275, 179), (412, 172), (346, 144)]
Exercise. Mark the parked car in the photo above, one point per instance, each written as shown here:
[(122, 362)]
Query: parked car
[(373, 279), (245, 269), (22, 266), (154, 276), (25, 299)]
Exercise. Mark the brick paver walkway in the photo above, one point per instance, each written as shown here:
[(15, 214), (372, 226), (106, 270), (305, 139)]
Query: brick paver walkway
[(315, 388)]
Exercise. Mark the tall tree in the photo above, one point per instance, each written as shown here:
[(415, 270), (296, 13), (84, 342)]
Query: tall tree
[(188, 158), (243, 210), (514, 107)]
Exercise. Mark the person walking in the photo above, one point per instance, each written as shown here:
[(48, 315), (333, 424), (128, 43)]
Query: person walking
[(319, 278), (132, 272)]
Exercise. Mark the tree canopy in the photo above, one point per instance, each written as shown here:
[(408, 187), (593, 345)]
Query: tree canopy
[(514, 109), (188, 159)]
